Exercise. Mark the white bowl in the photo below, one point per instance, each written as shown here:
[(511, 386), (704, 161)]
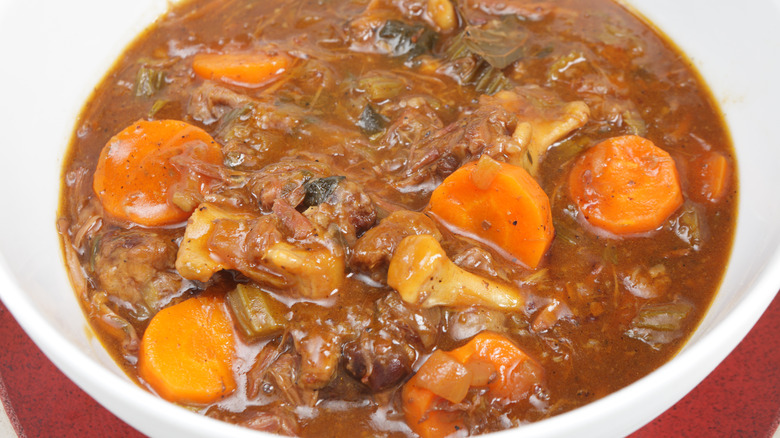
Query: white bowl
[(54, 52)]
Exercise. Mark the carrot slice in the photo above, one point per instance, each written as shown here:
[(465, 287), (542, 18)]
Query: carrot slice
[(500, 204), (710, 176), (420, 412), (513, 376), (135, 179), (625, 185), (187, 352), (517, 373), (244, 69)]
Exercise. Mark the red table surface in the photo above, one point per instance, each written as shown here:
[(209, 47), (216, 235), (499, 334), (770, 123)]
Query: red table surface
[(741, 398)]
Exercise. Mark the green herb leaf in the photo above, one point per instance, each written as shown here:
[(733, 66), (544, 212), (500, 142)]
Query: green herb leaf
[(319, 190), (370, 121), (408, 40)]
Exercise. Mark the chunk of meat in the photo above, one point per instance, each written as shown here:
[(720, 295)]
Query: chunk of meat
[(413, 125), (277, 420), (378, 360), (249, 129), (467, 323), (256, 133), (647, 283), (136, 270), (363, 28), (275, 372), (285, 180), (480, 261), (210, 102), (310, 186), (347, 207), (372, 252), (487, 130), (320, 352), (318, 334), (419, 327)]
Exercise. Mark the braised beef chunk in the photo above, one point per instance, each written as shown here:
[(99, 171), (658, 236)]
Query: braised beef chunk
[(466, 323), (393, 211), (210, 102), (410, 128), (136, 269), (326, 199), (419, 327), (372, 252), (319, 351), (487, 130), (477, 10), (348, 208), (276, 373), (285, 180), (378, 361)]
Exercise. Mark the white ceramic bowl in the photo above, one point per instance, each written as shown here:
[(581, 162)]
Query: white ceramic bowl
[(54, 52)]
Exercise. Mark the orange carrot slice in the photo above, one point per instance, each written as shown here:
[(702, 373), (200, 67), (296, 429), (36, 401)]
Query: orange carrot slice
[(135, 179), (428, 403), (187, 352), (500, 204), (625, 185), (517, 373), (244, 69)]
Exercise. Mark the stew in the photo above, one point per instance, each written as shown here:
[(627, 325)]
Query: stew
[(396, 217)]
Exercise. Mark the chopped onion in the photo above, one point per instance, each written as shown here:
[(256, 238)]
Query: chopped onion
[(444, 376), (486, 171)]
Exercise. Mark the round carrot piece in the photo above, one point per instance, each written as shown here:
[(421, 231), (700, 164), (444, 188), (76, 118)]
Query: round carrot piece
[(625, 185), (517, 373), (431, 415), (500, 204), (250, 70), (187, 352), (135, 179)]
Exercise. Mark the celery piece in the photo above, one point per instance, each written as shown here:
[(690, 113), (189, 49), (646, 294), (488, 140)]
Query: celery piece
[(380, 88), (257, 312), (149, 81), (658, 324)]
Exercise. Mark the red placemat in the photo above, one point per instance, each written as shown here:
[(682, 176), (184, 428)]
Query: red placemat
[(741, 398)]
